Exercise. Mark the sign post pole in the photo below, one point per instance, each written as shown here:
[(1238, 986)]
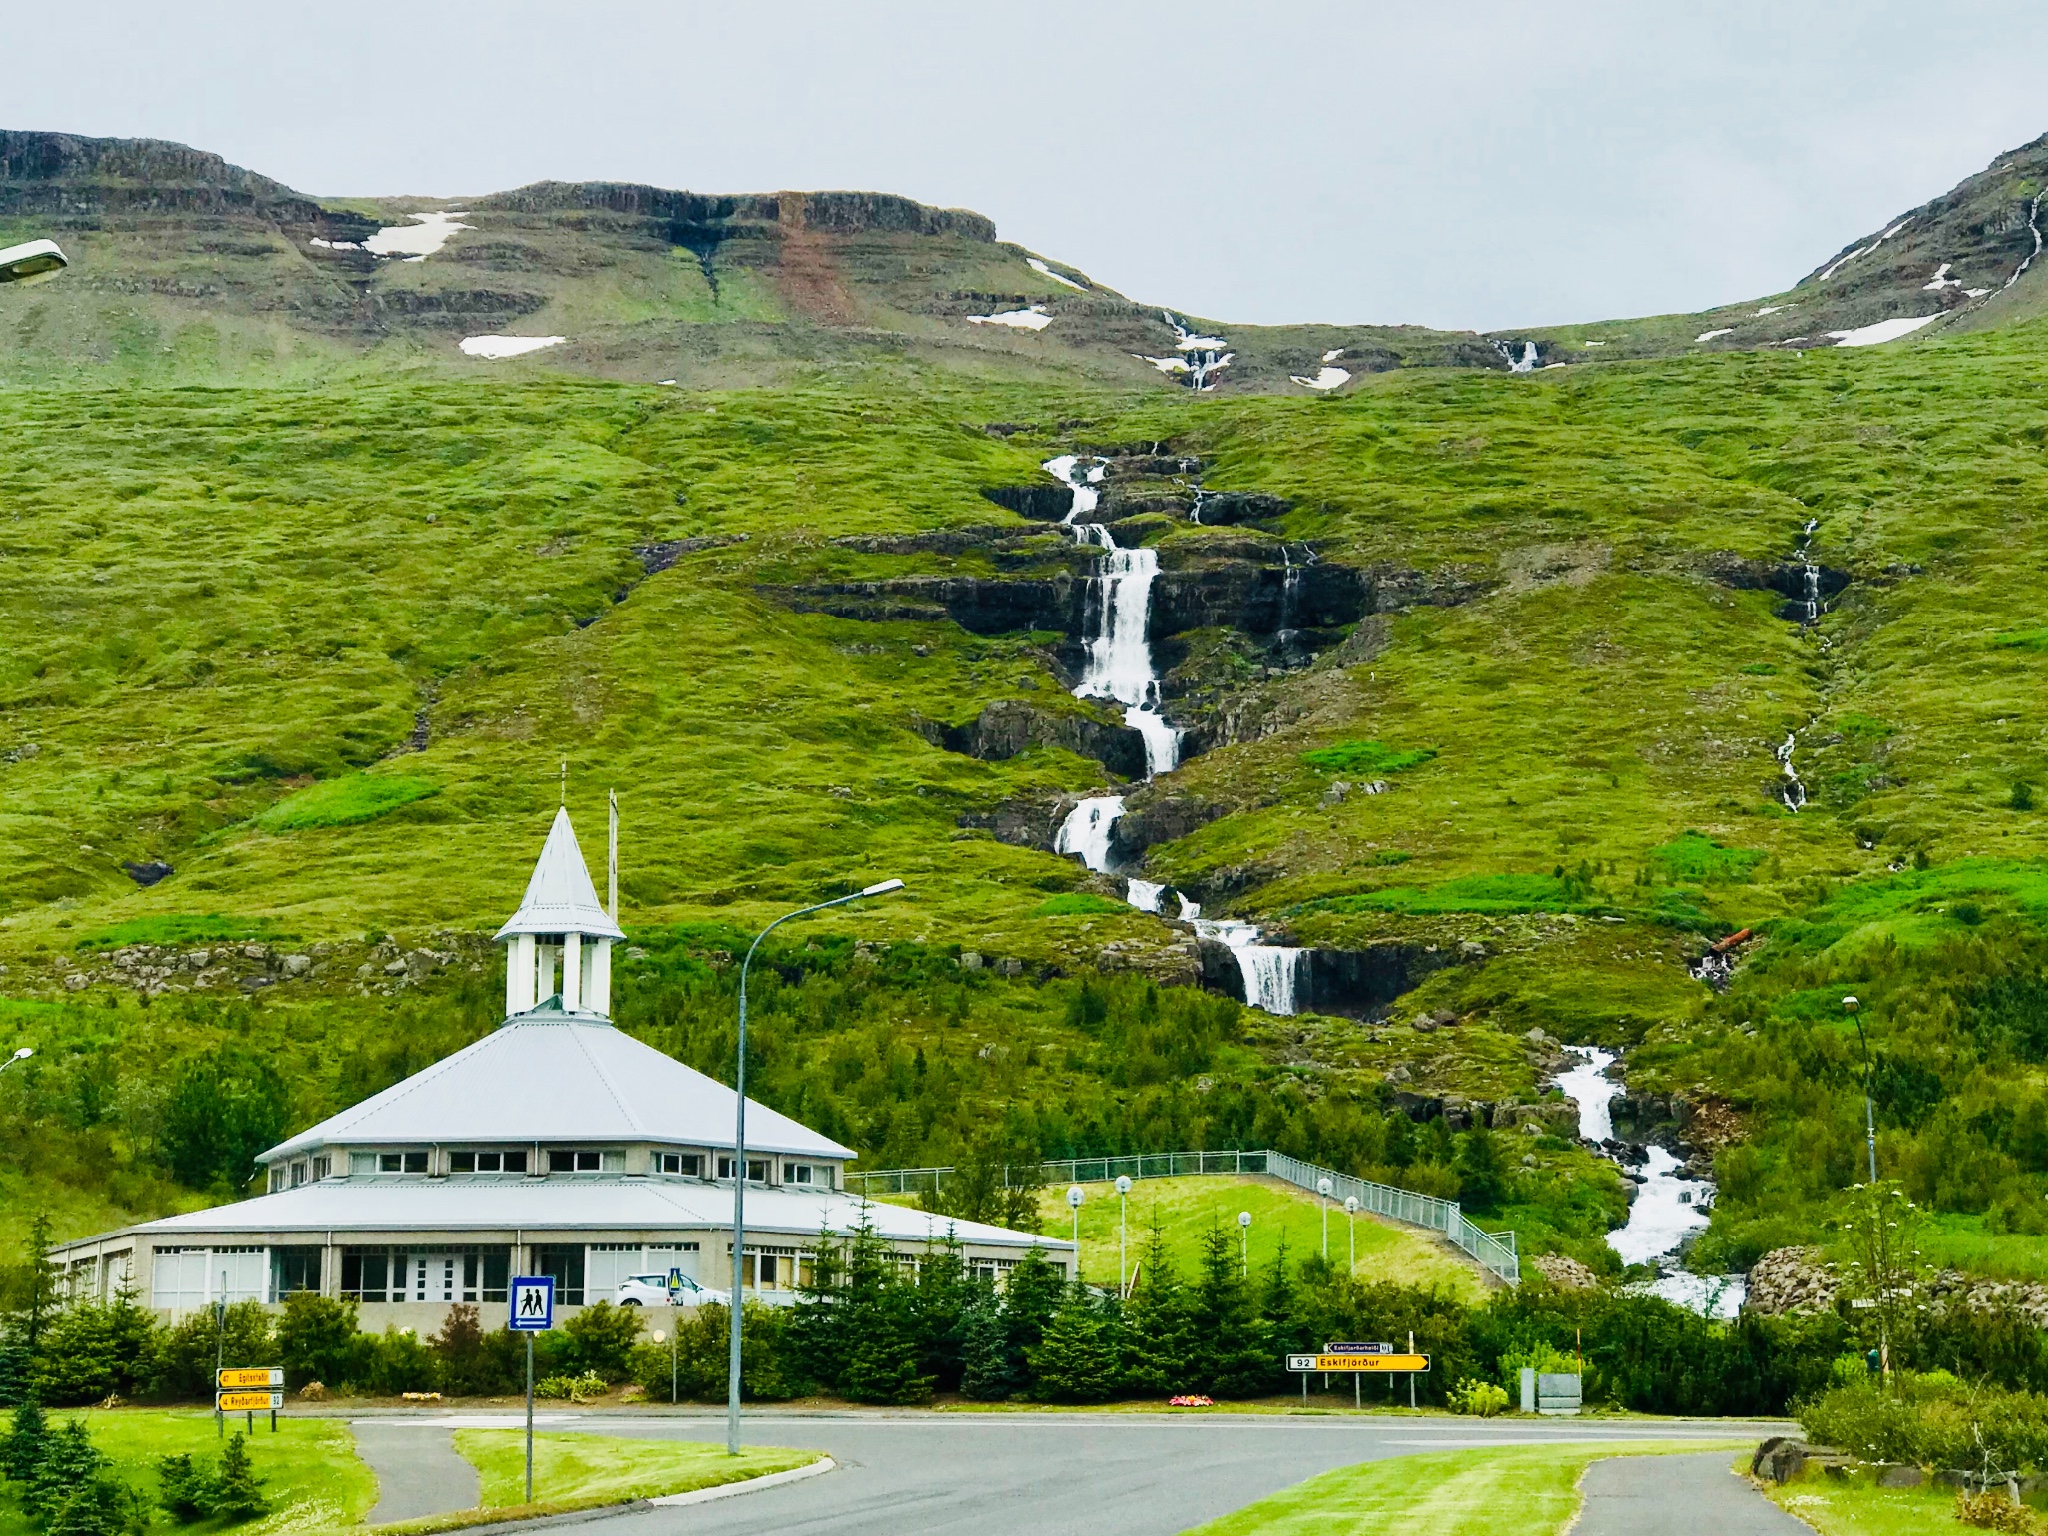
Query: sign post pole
[(1411, 1374), (533, 1311)]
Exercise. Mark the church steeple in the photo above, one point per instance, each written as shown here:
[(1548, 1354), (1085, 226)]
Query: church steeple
[(560, 922)]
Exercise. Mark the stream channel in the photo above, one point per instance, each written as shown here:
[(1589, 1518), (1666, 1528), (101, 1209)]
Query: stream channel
[(1668, 1209), (1120, 668)]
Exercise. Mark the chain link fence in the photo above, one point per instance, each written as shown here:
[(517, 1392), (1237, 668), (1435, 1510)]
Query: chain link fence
[(1496, 1252)]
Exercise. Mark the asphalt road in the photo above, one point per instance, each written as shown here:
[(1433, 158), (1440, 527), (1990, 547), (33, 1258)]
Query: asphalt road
[(1052, 1474)]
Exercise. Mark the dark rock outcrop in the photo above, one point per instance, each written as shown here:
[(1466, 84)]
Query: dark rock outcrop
[(1024, 821), (1260, 599), (976, 604), (1358, 983), (1010, 726), (1222, 509), (151, 873), (1164, 819), (1046, 503), (1787, 578)]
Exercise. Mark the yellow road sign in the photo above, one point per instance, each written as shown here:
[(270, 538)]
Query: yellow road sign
[(1372, 1362), (248, 1402), (258, 1376)]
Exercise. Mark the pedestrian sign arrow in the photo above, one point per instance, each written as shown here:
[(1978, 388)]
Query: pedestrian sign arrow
[(533, 1303)]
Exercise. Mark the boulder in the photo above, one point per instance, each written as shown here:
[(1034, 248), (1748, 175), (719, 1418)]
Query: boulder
[(1791, 1280), (1566, 1273)]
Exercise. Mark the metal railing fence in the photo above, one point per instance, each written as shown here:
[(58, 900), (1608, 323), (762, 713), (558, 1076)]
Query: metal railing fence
[(1494, 1251)]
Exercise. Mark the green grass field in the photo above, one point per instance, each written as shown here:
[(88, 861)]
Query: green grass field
[(1185, 1210), (582, 1471), (309, 1468), (1526, 1490), (1856, 1506)]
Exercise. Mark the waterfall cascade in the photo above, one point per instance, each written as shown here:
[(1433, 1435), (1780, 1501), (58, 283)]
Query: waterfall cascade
[(1271, 972), (1667, 1208), (1120, 668), (1794, 792)]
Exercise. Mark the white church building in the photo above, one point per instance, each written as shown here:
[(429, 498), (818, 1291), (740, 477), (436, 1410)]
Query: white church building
[(558, 1144)]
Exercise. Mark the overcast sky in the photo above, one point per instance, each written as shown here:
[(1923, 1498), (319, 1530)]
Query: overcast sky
[(1483, 164)]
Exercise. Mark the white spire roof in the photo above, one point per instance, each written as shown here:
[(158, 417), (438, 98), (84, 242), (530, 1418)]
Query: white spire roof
[(560, 897)]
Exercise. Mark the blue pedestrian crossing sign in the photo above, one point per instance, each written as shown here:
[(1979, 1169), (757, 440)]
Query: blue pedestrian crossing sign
[(533, 1303)]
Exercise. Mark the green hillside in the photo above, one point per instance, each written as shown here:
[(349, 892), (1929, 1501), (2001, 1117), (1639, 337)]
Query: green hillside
[(296, 657)]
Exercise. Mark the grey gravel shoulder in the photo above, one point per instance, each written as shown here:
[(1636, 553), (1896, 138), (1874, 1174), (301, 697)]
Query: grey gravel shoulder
[(1691, 1495)]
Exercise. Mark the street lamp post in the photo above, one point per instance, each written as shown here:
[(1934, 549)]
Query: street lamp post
[(739, 1160), (1351, 1215), (1244, 1244), (1323, 1189), (1075, 1196), (1850, 1007), (1123, 1194)]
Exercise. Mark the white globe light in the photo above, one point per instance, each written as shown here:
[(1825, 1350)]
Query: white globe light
[(1351, 1204), (1123, 1184), (660, 1337), (1322, 1186), (1074, 1196), (1244, 1218)]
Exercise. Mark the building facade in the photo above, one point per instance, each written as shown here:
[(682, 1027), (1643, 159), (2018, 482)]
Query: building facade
[(557, 1145)]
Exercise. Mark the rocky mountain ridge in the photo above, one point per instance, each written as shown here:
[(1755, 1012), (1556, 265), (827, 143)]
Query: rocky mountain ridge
[(187, 267)]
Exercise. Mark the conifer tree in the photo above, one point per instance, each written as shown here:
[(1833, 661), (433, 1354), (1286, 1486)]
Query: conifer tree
[(1029, 1301), (235, 1493), (101, 1506), (22, 1451), (985, 1347), (1076, 1360), (69, 1461), (181, 1487), (1153, 1339), (939, 1309), (1226, 1353)]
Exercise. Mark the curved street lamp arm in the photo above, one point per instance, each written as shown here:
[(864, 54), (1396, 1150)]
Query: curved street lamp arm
[(739, 1158)]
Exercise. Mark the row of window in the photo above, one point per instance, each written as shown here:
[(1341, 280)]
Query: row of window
[(186, 1279), (558, 1160)]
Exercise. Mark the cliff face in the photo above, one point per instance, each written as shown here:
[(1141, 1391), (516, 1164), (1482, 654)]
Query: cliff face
[(66, 175)]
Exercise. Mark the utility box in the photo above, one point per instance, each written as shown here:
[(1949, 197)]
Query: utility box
[(1528, 1389), (1557, 1395)]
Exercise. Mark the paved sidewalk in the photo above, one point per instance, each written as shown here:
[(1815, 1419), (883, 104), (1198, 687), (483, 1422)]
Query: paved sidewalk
[(1691, 1495), (419, 1471)]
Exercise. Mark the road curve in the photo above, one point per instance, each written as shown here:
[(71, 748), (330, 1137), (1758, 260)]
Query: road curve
[(1049, 1474)]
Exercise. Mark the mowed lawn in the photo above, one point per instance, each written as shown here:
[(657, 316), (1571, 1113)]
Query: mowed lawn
[(1186, 1209), (309, 1469), (1516, 1490), (1856, 1506), (574, 1471)]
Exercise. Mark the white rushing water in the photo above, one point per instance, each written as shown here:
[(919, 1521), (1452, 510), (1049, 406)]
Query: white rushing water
[(1120, 668), (1526, 363), (1088, 829), (1588, 1086), (1271, 972), (1668, 1208)]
